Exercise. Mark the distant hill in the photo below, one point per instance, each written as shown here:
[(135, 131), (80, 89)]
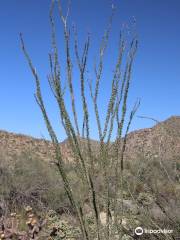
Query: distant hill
[(163, 139), (12, 144)]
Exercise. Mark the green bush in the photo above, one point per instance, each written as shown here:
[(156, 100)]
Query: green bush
[(28, 180)]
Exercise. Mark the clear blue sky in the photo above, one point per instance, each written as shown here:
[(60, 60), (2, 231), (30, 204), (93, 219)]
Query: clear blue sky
[(156, 74)]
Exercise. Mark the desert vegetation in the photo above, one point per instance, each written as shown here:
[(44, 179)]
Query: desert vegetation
[(101, 194), (150, 199)]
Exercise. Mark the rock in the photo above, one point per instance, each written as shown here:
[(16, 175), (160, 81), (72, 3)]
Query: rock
[(102, 216)]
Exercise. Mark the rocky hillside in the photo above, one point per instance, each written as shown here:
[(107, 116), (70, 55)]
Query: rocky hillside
[(15, 144), (162, 139)]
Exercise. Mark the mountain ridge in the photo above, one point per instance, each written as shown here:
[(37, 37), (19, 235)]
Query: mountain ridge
[(164, 135)]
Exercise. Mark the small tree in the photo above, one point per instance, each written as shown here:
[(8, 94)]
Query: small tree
[(106, 163)]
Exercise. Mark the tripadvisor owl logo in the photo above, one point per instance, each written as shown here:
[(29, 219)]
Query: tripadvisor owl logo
[(138, 231)]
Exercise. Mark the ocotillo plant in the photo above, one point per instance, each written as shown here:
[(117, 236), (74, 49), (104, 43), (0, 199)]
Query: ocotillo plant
[(107, 160)]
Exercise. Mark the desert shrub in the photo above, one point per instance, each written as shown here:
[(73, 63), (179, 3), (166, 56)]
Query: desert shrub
[(29, 180), (152, 184)]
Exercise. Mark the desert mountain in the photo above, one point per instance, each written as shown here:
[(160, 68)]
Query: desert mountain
[(162, 139)]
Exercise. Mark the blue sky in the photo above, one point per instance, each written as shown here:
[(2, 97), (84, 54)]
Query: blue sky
[(156, 74)]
